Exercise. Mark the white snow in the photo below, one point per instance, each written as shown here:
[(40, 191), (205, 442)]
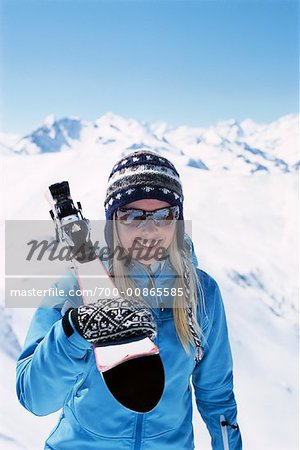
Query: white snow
[(49, 120), (9, 139), (245, 231)]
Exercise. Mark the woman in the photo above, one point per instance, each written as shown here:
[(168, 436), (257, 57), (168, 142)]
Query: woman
[(144, 212)]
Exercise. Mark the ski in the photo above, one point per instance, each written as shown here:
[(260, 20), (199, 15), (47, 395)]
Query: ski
[(116, 360)]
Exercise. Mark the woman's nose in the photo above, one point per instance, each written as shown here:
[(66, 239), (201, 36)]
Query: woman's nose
[(149, 226)]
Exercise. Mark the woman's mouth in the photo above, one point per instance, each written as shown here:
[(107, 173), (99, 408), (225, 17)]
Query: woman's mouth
[(149, 243)]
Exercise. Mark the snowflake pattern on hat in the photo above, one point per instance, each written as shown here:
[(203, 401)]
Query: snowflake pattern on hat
[(143, 174)]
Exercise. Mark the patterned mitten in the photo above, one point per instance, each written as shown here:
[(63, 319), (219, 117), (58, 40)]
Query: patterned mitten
[(116, 320)]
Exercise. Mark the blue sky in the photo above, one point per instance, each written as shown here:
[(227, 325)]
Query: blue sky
[(183, 62)]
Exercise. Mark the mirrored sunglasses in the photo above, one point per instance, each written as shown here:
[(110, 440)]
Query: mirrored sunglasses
[(138, 217)]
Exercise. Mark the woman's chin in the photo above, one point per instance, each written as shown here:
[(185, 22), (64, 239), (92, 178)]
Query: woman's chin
[(150, 256)]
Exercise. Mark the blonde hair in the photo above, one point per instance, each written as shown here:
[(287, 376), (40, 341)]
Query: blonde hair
[(180, 261)]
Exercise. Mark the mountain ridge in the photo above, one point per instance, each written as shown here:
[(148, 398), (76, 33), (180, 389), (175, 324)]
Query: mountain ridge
[(243, 147)]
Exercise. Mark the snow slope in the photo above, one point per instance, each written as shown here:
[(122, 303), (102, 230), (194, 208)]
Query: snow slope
[(245, 227)]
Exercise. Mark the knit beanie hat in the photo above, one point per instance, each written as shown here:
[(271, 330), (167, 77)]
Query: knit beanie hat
[(143, 174)]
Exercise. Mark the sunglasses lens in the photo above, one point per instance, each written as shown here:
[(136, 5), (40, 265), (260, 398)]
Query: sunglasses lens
[(129, 216), (163, 217)]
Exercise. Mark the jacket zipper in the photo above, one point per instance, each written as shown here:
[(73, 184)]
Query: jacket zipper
[(224, 433), (138, 431)]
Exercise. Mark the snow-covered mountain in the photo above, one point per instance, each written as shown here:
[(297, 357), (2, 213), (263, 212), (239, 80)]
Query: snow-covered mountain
[(245, 231), (244, 147)]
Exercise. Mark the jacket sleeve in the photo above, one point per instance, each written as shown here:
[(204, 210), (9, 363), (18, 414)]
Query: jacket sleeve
[(50, 363), (213, 378)]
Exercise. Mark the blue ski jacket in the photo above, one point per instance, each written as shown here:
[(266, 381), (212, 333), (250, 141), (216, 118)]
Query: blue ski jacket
[(58, 372)]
